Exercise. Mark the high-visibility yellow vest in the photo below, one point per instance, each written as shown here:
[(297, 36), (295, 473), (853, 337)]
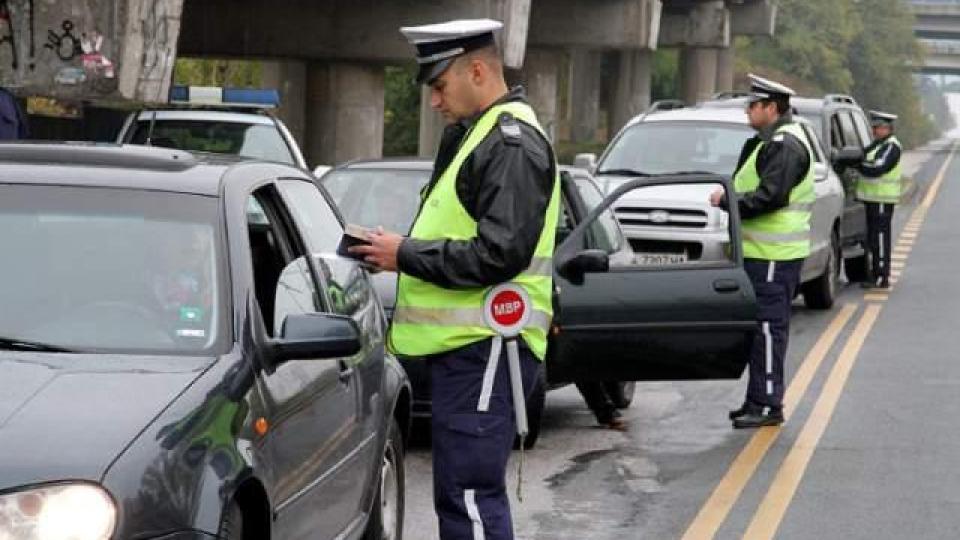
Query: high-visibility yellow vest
[(882, 189), (430, 319), (783, 234)]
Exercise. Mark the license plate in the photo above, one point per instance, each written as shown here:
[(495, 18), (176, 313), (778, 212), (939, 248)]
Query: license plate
[(659, 259)]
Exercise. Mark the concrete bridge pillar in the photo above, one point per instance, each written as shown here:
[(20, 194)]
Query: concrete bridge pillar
[(431, 126), (631, 96), (698, 78), (725, 67), (541, 79), (289, 78), (344, 112), (584, 79)]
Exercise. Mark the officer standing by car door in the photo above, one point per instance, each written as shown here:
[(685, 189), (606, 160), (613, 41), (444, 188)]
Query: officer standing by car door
[(487, 217), (879, 187), (774, 182)]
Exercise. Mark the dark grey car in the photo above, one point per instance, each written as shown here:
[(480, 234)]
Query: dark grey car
[(182, 355), (614, 319)]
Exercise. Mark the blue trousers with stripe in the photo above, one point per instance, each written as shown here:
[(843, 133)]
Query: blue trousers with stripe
[(470, 446), (775, 283)]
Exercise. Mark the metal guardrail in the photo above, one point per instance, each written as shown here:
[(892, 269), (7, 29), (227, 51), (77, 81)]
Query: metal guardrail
[(941, 46)]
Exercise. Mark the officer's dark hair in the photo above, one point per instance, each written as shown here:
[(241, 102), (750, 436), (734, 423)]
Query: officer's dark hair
[(782, 103), (489, 53)]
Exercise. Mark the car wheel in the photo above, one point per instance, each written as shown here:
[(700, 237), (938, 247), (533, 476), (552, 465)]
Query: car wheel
[(855, 268), (386, 515), (231, 528), (535, 403), (821, 292), (620, 392)]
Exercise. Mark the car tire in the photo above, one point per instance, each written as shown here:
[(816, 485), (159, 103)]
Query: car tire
[(820, 293), (621, 392), (855, 268), (535, 404), (231, 527), (386, 514)]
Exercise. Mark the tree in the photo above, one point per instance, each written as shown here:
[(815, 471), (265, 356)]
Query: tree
[(401, 122)]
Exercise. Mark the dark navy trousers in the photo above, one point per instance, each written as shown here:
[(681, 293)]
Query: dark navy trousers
[(775, 283), (471, 446), (879, 217)]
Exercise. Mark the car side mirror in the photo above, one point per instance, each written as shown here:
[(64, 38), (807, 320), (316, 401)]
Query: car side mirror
[(586, 161), (587, 261), (846, 156), (315, 336)]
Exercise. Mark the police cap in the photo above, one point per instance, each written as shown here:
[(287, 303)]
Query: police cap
[(880, 118), (765, 89), (439, 44)]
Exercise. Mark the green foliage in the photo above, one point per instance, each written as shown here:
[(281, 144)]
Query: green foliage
[(847, 46), (216, 72), (665, 74), (401, 122)]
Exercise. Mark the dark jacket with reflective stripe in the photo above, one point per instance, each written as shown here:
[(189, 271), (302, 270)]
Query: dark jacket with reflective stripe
[(781, 164), (887, 158), (505, 185)]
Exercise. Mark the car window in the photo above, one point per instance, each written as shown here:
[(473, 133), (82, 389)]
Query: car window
[(850, 137), (668, 147), (815, 122), (605, 231), (836, 133), (283, 283), (377, 197), (862, 129), (346, 286), (814, 143), (113, 270), (256, 141)]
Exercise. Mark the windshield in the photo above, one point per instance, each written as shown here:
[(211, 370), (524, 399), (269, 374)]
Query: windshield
[(815, 122), (374, 197), (109, 270), (669, 147), (235, 138)]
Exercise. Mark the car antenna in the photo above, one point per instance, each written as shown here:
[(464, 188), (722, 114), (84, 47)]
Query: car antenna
[(153, 122)]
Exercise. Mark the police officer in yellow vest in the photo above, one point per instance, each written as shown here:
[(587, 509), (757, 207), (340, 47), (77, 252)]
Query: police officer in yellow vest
[(487, 217), (879, 188), (775, 194)]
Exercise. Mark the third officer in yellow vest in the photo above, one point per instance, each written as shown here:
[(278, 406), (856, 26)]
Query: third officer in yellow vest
[(775, 195), (487, 217), (879, 188)]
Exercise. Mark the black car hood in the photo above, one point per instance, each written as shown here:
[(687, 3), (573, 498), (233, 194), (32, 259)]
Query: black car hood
[(67, 416)]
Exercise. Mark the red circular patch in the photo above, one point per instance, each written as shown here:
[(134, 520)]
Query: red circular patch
[(507, 308)]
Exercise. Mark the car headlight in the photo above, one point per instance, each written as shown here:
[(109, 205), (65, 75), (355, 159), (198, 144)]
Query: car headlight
[(58, 512)]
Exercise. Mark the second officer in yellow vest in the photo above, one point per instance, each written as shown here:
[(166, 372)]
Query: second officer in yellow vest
[(879, 188), (775, 194), (487, 217)]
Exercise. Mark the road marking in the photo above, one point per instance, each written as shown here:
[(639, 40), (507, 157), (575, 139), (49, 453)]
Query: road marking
[(897, 264), (938, 181), (901, 256), (770, 513), (876, 297), (715, 510)]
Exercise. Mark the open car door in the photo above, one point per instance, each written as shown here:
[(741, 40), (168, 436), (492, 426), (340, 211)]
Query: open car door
[(693, 320)]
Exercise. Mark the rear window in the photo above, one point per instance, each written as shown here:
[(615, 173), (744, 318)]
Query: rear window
[(111, 270), (256, 141), (374, 197)]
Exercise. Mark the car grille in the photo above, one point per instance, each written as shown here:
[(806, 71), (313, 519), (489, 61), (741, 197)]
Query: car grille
[(661, 217)]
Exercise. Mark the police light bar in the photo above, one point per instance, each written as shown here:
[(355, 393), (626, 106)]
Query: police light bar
[(226, 97)]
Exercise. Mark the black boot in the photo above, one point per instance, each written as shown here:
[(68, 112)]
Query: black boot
[(764, 417), (745, 409)]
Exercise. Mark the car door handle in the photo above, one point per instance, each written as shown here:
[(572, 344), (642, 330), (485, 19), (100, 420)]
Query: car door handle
[(346, 371), (726, 285)]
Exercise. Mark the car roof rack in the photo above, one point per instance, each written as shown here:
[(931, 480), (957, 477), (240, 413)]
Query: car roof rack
[(730, 95), (839, 98), (665, 105)]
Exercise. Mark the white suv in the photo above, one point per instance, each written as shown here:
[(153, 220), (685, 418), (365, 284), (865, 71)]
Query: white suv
[(676, 225)]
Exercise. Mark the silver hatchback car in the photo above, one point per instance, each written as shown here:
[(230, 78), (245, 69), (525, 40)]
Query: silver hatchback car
[(676, 225)]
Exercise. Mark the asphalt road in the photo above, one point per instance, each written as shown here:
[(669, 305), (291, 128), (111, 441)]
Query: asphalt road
[(870, 449)]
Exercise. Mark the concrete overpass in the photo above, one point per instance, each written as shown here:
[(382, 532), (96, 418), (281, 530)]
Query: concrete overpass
[(942, 57), (937, 26), (329, 55)]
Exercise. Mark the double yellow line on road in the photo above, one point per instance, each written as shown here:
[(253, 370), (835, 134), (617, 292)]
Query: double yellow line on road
[(773, 507)]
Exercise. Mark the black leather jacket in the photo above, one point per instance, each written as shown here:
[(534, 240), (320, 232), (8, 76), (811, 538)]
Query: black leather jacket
[(781, 164), (505, 185)]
